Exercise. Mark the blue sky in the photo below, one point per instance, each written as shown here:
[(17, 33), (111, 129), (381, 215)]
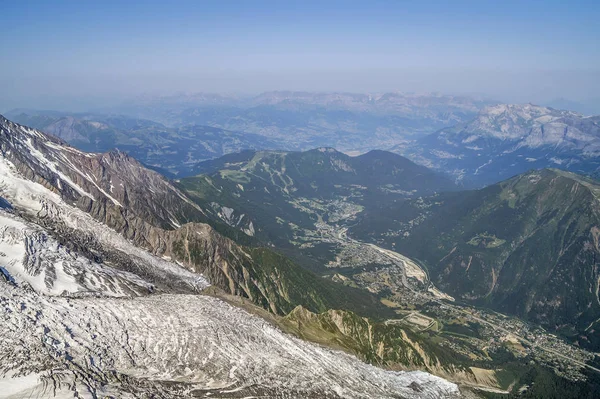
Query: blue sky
[(61, 51)]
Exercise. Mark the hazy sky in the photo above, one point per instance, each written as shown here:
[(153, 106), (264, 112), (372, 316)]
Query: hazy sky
[(75, 54)]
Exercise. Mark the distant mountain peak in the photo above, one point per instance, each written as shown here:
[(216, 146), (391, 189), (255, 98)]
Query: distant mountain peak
[(330, 150), (507, 139), (525, 112)]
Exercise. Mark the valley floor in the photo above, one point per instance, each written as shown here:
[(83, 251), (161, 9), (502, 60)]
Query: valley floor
[(474, 332)]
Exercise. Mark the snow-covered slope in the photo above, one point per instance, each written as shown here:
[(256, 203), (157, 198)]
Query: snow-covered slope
[(30, 257), (178, 346), (38, 203), (531, 126), (86, 313)]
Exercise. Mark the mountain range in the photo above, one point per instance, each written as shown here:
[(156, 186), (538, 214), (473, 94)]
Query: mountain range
[(104, 265), (276, 195), (525, 246), (505, 140), (511, 246), (172, 151), (373, 255), (303, 120), (471, 141)]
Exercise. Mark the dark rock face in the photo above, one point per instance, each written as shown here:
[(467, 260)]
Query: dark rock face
[(113, 187), (415, 386)]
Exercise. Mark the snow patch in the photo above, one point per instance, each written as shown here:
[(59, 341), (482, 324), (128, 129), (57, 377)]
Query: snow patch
[(52, 166)]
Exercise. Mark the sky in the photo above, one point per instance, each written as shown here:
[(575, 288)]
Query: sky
[(78, 54)]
